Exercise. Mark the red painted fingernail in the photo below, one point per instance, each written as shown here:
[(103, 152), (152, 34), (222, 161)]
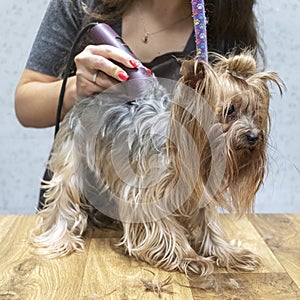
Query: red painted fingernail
[(134, 63), (149, 71), (123, 76)]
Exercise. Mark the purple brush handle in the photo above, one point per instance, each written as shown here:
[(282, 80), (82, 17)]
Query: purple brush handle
[(103, 34)]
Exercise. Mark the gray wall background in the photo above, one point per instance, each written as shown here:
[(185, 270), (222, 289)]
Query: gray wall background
[(23, 151)]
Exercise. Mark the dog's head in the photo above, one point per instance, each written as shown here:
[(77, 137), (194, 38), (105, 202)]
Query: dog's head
[(239, 96), (243, 102)]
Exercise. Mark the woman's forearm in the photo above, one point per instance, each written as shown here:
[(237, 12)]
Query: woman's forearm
[(36, 99), (37, 94)]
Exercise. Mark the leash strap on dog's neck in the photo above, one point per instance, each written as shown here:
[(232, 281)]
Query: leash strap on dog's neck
[(200, 29)]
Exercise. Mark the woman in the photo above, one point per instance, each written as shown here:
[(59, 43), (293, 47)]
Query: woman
[(157, 31)]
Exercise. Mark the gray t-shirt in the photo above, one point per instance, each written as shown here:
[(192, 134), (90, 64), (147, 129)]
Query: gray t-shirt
[(61, 23)]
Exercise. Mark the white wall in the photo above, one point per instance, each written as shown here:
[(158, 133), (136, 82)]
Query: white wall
[(23, 151), (280, 25)]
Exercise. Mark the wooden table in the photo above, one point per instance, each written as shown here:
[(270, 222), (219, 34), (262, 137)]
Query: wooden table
[(103, 272)]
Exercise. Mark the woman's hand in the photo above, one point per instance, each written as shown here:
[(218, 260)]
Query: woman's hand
[(95, 70), (37, 94)]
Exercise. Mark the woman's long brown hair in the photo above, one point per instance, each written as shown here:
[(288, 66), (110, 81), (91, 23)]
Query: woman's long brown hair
[(230, 21)]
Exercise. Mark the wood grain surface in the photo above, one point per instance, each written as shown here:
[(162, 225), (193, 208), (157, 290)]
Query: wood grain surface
[(103, 271)]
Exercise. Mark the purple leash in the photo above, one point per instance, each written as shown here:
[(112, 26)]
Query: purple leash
[(200, 29)]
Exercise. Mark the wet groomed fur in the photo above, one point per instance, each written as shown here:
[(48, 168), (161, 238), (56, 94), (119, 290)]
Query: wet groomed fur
[(169, 162)]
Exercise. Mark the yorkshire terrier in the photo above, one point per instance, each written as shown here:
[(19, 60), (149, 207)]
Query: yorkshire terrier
[(163, 165)]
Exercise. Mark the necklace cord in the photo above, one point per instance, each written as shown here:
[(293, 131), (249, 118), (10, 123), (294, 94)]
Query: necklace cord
[(145, 38)]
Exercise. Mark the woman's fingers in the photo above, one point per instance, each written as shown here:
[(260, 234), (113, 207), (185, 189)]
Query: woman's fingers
[(86, 87), (101, 58), (113, 53), (102, 80), (106, 66), (97, 71)]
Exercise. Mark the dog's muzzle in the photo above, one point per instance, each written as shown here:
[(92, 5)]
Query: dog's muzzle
[(252, 138)]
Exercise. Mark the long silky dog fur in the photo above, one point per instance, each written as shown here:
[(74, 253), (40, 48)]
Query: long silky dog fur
[(160, 162)]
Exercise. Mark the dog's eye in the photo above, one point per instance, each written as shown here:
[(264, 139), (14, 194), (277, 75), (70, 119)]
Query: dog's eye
[(230, 110)]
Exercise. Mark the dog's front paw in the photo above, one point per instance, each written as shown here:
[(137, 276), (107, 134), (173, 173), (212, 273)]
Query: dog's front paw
[(239, 259), (57, 246), (202, 266)]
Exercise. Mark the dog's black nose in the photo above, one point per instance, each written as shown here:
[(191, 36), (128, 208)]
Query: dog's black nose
[(252, 138)]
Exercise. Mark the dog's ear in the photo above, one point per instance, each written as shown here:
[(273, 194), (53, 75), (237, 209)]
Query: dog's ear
[(200, 76), (261, 79), (193, 72)]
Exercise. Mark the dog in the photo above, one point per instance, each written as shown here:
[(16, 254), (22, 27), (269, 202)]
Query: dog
[(169, 161)]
